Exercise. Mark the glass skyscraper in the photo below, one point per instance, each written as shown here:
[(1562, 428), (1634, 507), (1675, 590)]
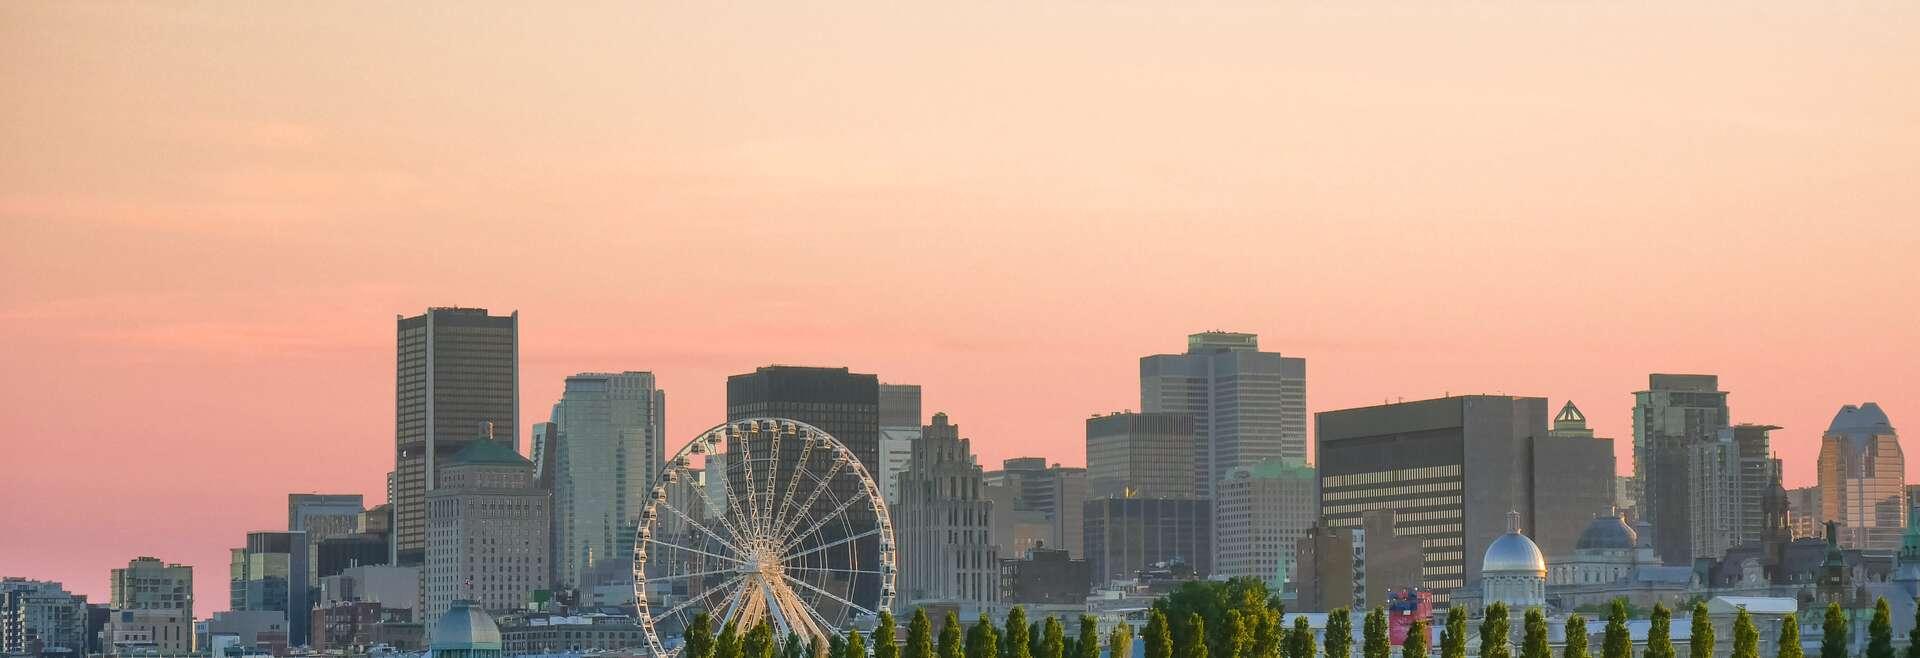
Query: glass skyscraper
[(1863, 478), (457, 370), (612, 441)]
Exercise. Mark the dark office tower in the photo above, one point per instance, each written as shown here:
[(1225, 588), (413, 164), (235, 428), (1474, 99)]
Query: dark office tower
[(457, 370), (1675, 414), (1247, 405), (1139, 455), (271, 573), (1126, 535), (1452, 468)]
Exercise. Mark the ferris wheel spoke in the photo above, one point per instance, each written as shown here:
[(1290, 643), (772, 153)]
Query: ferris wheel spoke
[(690, 549), (852, 571), (722, 517), (716, 536), (832, 544), (791, 602), (684, 576), (827, 594), (837, 511), (752, 513), (704, 595), (733, 501), (819, 487), (793, 482), (773, 470)]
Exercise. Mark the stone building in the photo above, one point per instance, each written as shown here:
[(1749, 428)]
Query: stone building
[(944, 522), (487, 532), (1262, 511)]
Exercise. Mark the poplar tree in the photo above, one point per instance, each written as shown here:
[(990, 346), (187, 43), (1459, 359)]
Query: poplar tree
[(698, 637), (1660, 633), (837, 646), (951, 644), (1267, 634), (1576, 632), (1833, 635), (1300, 639), (1120, 642), (1746, 638), (1019, 637), (856, 645), (1236, 638), (728, 644), (758, 642), (1701, 644), (1158, 636), (919, 636), (1619, 641), (792, 648), (1790, 638), (983, 640), (1052, 640), (1416, 644), (1494, 632), (1533, 641), (1453, 639), (1196, 644), (883, 640), (1374, 641), (1880, 631), (1339, 640), (1088, 646)]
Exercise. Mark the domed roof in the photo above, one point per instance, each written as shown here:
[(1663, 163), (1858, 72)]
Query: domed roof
[(465, 626), (1864, 420), (1513, 552), (1606, 532)]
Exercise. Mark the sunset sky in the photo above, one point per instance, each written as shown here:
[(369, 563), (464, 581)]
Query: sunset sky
[(211, 213)]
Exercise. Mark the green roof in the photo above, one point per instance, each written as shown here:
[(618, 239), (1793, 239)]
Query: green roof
[(484, 451), (1279, 467)]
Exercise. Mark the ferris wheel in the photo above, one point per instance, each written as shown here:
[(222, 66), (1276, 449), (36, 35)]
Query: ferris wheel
[(777, 522)]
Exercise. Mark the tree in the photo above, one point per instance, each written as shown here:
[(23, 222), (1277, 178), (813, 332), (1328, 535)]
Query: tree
[(1833, 636), (1660, 633), (1374, 641), (758, 642), (951, 644), (1159, 638), (883, 637), (1494, 633), (1088, 646), (1533, 642), (792, 647), (1453, 639), (728, 645), (837, 647), (1120, 642), (1019, 636), (1576, 632), (1300, 639), (856, 645), (1790, 637), (1701, 644), (1416, 644), (983, 640), (817, 648), (1238, 637), (1339, 633), (1196, 644), (919, 636), (1880, 631), (1052, 640), (1746, 638), (1269, 639), (1619, 641), (698, 637)]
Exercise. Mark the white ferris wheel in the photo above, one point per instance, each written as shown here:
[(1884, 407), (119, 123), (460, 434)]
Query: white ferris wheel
[(777, 522)]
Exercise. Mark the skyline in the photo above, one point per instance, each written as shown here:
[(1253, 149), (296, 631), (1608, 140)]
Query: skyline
[(1006, 207)]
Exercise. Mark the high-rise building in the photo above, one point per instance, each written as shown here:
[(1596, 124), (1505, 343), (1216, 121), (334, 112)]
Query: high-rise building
[(329, 516), (1261, 513), (1247, 405), (457, 369), (152, 608), (1127, 535), (1804, 514), (1863, 482), (36, 616), (1042, 505), (1734, 484), (272, 572), (944, 523), (1329, 569), (899, 427), (1140, 454), (487, 532), (612, 442), (1451, 468), (1675, 413)]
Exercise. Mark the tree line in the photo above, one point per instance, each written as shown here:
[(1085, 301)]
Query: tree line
[(1240, 619)]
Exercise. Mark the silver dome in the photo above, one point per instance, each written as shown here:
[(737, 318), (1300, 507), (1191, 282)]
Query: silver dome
[(465, 626), (1513, 552), (1607, 532)]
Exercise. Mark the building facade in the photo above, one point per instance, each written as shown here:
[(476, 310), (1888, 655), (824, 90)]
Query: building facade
[(456, 369), (1262, 512), (945, 523), (1127, 535), (149, 584), (487, 532), (1863, 479), (1247, 405), (271, 573), (1037, 505), (1140, 454), (1044, 576), (1675, 413), (612, 442), (38, 615), (1451, 468), (1736, 495)]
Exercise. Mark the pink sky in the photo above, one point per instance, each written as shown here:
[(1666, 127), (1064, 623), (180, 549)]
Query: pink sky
[(210, 214)]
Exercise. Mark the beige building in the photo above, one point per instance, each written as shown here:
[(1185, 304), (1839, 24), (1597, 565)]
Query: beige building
[(944, 522), (152, 608), (1863, 484), (487, 531), (1263, 512)]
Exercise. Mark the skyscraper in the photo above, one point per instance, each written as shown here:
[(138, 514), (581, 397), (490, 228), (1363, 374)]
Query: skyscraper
[(1734, 490), (899, 428), (1863, 478), (1452, 468), (1126, 535), (612, 442), (1261, 514), (487, 527), (944, 522), (1140, 454), (1247, 405), (456, 369), (1675, 413)]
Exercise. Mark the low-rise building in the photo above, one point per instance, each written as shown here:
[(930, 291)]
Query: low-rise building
[(1044, 575), (569, 634), (39, 616)]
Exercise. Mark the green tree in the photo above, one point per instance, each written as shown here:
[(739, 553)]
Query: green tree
[(1453, 638), (1268, 637), (1300, 639), (728, 644), (919, 636), (1701, 644), (883, 637), (1790, 637), (856, 645), (758, 642), (951, 644), (1019, 636), (1196, 644), (1374, 641), (1088, 646), (1238, 637), (698, 637), (1211, 600), (1339, 641), (1120, 642), (1660, 633), (837, 646), (792, 647), (983, 640), (1494, 632), (1158, 636), (1618, 642), (1533, 639), (1052, 640), (1880, 631), (1576, 642), (1746, 638), (1833, 636), (1416, 644)]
